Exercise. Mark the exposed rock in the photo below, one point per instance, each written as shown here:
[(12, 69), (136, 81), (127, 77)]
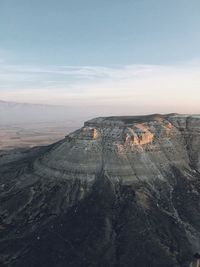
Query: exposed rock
[(119, 192)]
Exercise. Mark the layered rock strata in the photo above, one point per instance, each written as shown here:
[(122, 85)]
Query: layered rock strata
[(121, 191)]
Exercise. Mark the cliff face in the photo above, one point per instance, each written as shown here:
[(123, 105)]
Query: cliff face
[(121, 191)]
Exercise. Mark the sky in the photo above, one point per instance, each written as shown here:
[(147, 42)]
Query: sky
[(131, 55)]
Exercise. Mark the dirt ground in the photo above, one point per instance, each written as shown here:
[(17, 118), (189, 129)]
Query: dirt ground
[(15, 136)]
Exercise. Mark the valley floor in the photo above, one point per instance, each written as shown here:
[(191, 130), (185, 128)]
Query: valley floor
[(31, 135)]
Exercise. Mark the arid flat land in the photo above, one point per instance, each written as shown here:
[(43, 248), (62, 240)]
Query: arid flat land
[(22, 136)]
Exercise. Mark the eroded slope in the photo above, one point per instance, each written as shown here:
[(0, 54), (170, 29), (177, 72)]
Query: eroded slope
[(121, 191)]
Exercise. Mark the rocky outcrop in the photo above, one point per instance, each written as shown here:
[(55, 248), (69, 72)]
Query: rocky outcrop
[(121, 191)]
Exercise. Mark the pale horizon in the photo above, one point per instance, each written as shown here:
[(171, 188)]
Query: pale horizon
[(154, 88)]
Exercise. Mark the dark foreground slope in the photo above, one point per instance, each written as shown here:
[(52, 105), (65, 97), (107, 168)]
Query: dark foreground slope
[(120, 192)]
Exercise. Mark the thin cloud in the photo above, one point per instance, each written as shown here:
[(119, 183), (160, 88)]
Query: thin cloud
[(162, 86)]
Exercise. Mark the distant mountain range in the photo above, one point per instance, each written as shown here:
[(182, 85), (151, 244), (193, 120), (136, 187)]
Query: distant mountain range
[(17, 104), (23, 113)]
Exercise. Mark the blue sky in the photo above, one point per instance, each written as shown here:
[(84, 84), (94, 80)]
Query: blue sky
[(106, 32), (86, 49)]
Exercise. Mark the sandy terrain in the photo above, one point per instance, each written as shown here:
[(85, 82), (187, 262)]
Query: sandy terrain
[(14, 136)]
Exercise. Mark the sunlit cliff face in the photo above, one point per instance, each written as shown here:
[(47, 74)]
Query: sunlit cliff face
[(131, 134)]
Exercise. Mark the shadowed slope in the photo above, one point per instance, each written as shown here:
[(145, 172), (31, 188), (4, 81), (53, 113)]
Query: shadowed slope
[(118, 192)]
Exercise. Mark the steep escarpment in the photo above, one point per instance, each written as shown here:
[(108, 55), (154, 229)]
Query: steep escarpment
[(121, 191)]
